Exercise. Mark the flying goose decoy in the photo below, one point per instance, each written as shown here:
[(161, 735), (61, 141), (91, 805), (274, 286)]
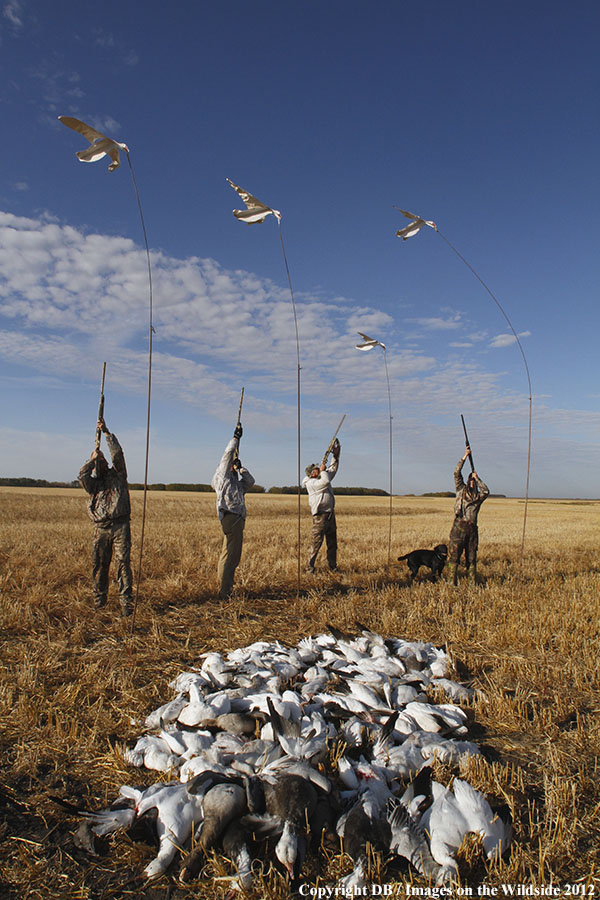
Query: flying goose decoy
[(255, 212), (415, 225), (100, 144), (369, 342)]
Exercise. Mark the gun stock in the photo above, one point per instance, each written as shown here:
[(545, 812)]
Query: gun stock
[(332, 441), (467, 444)]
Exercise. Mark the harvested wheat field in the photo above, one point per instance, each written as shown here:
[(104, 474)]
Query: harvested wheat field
[(76, 685)]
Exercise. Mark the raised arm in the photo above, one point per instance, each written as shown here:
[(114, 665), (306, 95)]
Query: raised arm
[(484, 490), (225, 464), (459, 482), (116, 453), (247, 478), (85, 474)]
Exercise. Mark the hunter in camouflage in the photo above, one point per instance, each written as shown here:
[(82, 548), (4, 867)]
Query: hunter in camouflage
[(464, 534), (109, 509)]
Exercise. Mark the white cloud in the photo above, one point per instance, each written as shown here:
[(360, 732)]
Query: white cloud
[(70, 300), (507, 340)]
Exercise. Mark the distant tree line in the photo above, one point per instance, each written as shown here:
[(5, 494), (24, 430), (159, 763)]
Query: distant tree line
[(36, 482), (206, 488), (445, 494), (339, 491), (180, 486)]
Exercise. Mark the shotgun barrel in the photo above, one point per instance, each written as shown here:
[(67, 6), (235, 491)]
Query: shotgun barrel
[(332, 441), (100, 410), (467, 444), (239, 422)]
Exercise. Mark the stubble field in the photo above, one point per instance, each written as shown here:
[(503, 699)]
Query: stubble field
[(74, 678)]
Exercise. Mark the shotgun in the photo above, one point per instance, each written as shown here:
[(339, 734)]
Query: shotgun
[(239, 422), (467, 444), (332, 441), (100, 412)]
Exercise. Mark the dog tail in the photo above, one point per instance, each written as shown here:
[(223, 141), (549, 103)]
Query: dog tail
[(404, 557)]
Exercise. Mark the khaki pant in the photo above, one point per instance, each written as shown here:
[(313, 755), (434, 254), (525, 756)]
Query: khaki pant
[(323, 527), (108, 539), (231, 552)]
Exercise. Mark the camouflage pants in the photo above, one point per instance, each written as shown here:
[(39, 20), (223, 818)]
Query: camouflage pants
[(231, 551), (108, 539), (463, 536), (323, 527)]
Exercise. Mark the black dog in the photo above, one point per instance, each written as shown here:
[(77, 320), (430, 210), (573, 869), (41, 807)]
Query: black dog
[(435, 559)]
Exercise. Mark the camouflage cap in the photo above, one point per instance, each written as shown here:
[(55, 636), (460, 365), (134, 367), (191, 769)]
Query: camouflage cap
[(309, 469)]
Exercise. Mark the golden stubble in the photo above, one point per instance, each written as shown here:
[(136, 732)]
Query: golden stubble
[(75, 684)]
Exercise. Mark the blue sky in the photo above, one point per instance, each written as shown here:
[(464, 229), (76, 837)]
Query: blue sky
[(480, 116)]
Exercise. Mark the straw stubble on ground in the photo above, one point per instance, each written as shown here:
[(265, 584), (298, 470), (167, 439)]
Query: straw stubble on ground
[(75, 685)]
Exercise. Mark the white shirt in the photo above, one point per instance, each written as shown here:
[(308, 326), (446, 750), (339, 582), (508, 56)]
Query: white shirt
[(231, 490), (320, 493)]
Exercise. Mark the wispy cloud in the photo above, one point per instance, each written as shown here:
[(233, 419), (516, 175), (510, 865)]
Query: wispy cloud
[(507, 340), (70, 300), (213, 325), (60, 84), (114, 44), (14, 14), (438, 323)]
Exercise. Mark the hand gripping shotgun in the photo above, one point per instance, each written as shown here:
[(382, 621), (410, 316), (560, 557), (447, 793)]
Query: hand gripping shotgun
[(100, 413), (332, 441), (467, 444)]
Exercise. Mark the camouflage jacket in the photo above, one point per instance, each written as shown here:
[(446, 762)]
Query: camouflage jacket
[(230, 489), (109, 494), (467, 507)]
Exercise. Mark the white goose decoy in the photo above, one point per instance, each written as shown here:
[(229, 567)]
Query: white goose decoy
[(100, 144), (255, 212), (369, 342), (415, 226)]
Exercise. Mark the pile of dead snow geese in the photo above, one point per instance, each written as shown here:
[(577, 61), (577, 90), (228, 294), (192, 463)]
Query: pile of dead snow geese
[(345, 751)]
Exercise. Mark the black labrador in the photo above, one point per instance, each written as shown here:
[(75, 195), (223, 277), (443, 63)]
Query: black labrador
[(435, 559)]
